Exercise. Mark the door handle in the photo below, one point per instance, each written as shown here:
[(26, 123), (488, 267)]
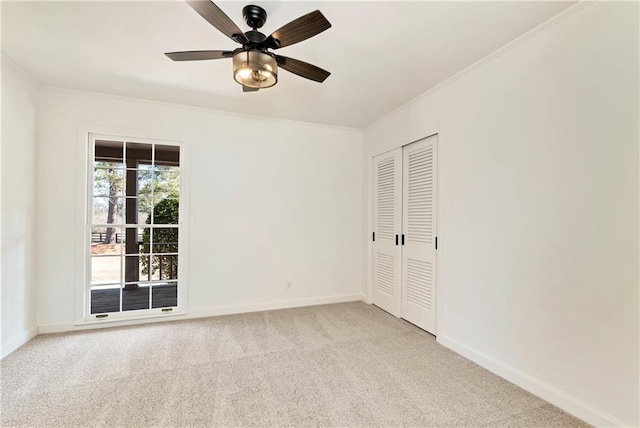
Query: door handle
[(403, 239), (396, 239)]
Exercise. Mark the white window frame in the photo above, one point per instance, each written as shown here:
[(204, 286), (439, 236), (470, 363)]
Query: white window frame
[(84, 196)]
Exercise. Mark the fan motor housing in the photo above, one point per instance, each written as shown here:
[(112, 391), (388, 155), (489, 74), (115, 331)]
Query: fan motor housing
[(254, 16), (255, 37)]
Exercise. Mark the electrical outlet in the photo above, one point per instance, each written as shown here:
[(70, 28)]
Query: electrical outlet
[(289, 286)]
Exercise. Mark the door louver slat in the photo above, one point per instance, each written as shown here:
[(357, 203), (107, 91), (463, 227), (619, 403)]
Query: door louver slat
[(420, 196), (419, 283), (385, 273), (385, 199)]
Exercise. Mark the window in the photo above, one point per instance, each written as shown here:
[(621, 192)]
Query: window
[(133, 227)]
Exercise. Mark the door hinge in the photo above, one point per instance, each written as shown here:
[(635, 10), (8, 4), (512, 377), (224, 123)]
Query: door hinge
[(436, 242)]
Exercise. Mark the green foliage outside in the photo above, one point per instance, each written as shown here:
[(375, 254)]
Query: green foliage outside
[(165, 239), (165, 183)]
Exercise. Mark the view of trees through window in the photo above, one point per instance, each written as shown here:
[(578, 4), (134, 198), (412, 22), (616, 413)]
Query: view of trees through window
[(134, 226)]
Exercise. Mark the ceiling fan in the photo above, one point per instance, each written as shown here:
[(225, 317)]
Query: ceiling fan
[(254, 65)]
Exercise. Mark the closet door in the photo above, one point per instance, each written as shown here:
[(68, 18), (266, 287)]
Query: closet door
[(419, 234), (387, 193)]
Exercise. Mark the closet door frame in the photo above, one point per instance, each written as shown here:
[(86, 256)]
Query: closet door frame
[(430, 129)]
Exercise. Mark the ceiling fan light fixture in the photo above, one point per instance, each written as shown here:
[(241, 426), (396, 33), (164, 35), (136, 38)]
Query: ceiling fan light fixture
[(254, 65), (255, 69)]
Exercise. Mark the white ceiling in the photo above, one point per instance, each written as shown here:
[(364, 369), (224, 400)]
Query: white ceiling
[(381, 54)]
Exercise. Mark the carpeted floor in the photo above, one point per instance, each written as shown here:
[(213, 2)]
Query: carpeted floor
[(348, 364)]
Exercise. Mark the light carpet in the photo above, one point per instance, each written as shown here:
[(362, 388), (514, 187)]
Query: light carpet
[(348, 364)]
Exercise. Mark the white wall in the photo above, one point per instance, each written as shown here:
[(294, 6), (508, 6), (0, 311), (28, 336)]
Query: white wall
[(538, 259), (19, 134), (270, 201)]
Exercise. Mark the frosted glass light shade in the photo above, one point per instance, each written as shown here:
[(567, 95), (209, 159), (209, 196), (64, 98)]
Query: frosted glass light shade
[(255, 69)]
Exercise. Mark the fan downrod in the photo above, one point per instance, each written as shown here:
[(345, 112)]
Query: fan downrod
[(254, 16)]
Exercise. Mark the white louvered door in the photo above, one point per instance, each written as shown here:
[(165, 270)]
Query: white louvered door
[(387, 194), (419, 234)]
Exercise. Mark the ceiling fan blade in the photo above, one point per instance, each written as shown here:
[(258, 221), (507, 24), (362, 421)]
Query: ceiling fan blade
[(248, 89), (298, 30), (198, 55), (302, 69), (216, 17)]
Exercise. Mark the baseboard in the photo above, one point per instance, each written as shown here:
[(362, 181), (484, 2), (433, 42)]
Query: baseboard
[(201, 313), (16, 342), (270, 306), (561, 399)]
